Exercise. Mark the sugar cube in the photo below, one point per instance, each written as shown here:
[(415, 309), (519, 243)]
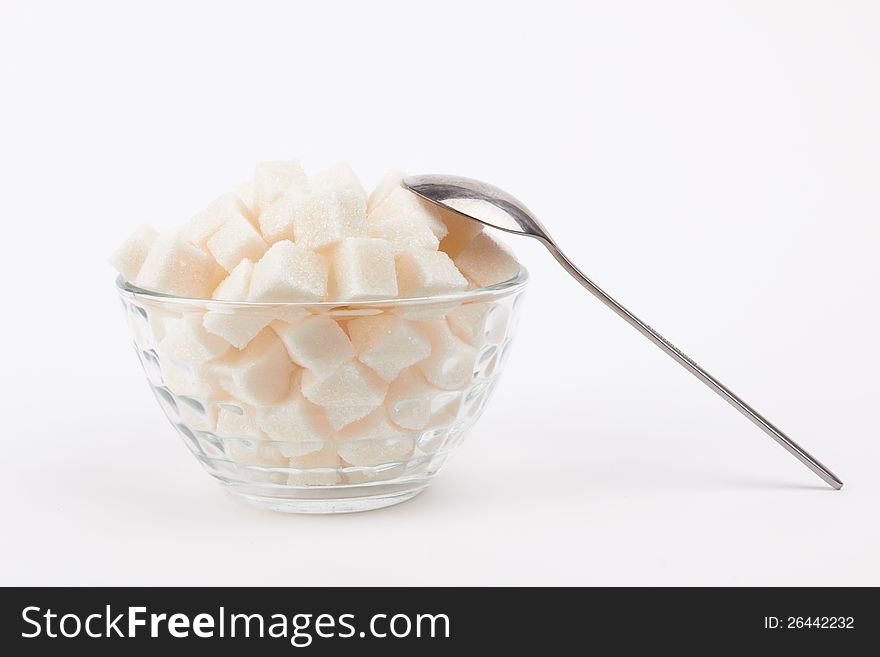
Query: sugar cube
[(425, 311), (374, 441), (176, 267), (236, 285), (388, 344), (403, 234), (160, 319), (362, 268), (277, 220), (254, 452), (259, 374), (130, 255), (339, 176), (184, 381), (247, 201), (243, 424), (409, 400), (196, 394), (403, 204), (196, 415), (422, 273), (298, 425), (203, 225), (327, 216), (285, 313), (319, 468), (272, 179), (288, 272), (235, 240), (389, 182), (487, 261), (478, 323), (237, 325), (451, 363), (347, 395), (317, 343), (461, 231), (188, 344)]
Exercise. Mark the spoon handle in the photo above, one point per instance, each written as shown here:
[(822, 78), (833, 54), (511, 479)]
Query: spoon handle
[(763, 423)]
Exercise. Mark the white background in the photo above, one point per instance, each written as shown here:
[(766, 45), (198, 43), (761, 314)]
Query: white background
[(715, 165)]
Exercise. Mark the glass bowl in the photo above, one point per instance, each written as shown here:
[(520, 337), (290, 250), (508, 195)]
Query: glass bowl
[(246, 410)]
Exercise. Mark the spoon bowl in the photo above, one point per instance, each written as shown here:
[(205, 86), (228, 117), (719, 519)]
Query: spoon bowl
[(479, 201)]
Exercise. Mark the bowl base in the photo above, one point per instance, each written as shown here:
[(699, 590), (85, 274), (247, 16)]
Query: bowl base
[(354, 504)]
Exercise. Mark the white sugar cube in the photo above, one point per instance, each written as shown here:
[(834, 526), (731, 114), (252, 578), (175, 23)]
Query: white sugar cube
[(409, 400), (389, 182), (478, 323), (243, 424), (196, 415), (160, 320), (202, 226), (404, 235), (235, 240), (288, 272), (197, 395), (362, 268), (327, 216), (277, 221), (426, 311), (285, 313), (188, 344), (319, 468), (423, 273), (487, 261), (374, 441), (342, 416), (347, 395), (259, 374), (237, 325), (388, 344), (317, 343), (247, 200), (129, 257), (339, 176), (176, 267), (272, 179), (451, 363), (254, 452), (461, 232), (184, 381), (297, 424), (236, 285), (400, 203)]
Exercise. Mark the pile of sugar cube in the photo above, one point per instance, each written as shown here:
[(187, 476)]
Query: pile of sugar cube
[(317, 390)]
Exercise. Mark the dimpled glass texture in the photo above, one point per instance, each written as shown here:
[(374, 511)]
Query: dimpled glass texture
[(309, 467)]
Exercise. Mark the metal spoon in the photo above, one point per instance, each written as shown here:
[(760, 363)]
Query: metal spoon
[(496, 208)]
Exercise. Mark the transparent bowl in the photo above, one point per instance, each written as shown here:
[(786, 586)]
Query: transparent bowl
[(255, 431)]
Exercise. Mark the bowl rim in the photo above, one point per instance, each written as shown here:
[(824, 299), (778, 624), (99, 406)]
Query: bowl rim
[(505, 288)]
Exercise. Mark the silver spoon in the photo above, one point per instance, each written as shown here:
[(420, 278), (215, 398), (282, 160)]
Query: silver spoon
[(496, 208)]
